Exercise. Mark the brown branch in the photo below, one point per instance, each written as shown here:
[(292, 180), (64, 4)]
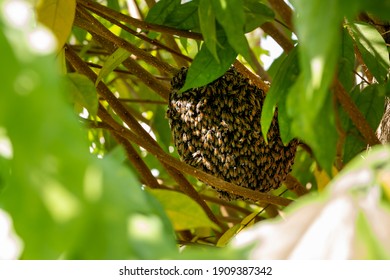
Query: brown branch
[(173, 49), (283, 10), (145, 101), (137, 162), (294, 185), (201, 175), (86, 21), (251, 76), (95, 7), (147, 78), (278, 36)]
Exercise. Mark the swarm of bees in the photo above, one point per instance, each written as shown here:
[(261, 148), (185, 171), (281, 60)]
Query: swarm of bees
[(216, 128)]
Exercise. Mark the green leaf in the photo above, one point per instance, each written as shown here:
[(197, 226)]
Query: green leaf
[(184, 17), (64, 202), (174, 14), (228, 235), (377, 7), (58, 16), (346, 62), (370, 103), (373, 49), (208, 27), (317, 24), (231, 16), (205, 69), (277, 95), (161, 11), (161, 126), (256, 13), (83, 92), (345, 221), (113, 61), (184, 212), (318, 132)]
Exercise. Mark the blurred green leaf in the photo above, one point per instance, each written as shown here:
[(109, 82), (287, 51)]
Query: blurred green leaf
[(319, 132), (83, 92), (345, 221), (64, 202), (184, 212), (318, 55)]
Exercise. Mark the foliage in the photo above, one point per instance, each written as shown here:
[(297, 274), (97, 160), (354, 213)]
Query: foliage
[(87, 166)]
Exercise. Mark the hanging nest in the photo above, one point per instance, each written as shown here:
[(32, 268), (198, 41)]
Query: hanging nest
[(216, 128)]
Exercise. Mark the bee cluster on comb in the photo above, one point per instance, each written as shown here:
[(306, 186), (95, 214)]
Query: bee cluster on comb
[(216, 128)]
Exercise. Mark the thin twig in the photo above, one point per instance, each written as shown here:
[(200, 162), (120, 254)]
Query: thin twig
[(137, 162)]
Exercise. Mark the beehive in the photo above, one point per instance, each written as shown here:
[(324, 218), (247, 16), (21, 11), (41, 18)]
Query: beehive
[(216, 128)]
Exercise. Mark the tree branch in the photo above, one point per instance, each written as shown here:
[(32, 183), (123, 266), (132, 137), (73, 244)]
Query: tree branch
[(93, 6), (86, 21), (283, 10)]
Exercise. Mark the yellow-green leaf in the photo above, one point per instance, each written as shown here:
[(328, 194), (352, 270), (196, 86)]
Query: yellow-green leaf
[(249, 220), (58, 16), (113, 61), (182, 210), (228, 235)]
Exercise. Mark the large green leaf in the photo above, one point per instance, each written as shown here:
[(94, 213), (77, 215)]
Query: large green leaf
[(63, 201), (317, 25), (319, 132)]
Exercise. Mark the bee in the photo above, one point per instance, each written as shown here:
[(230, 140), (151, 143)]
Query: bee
[(217, 128)]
